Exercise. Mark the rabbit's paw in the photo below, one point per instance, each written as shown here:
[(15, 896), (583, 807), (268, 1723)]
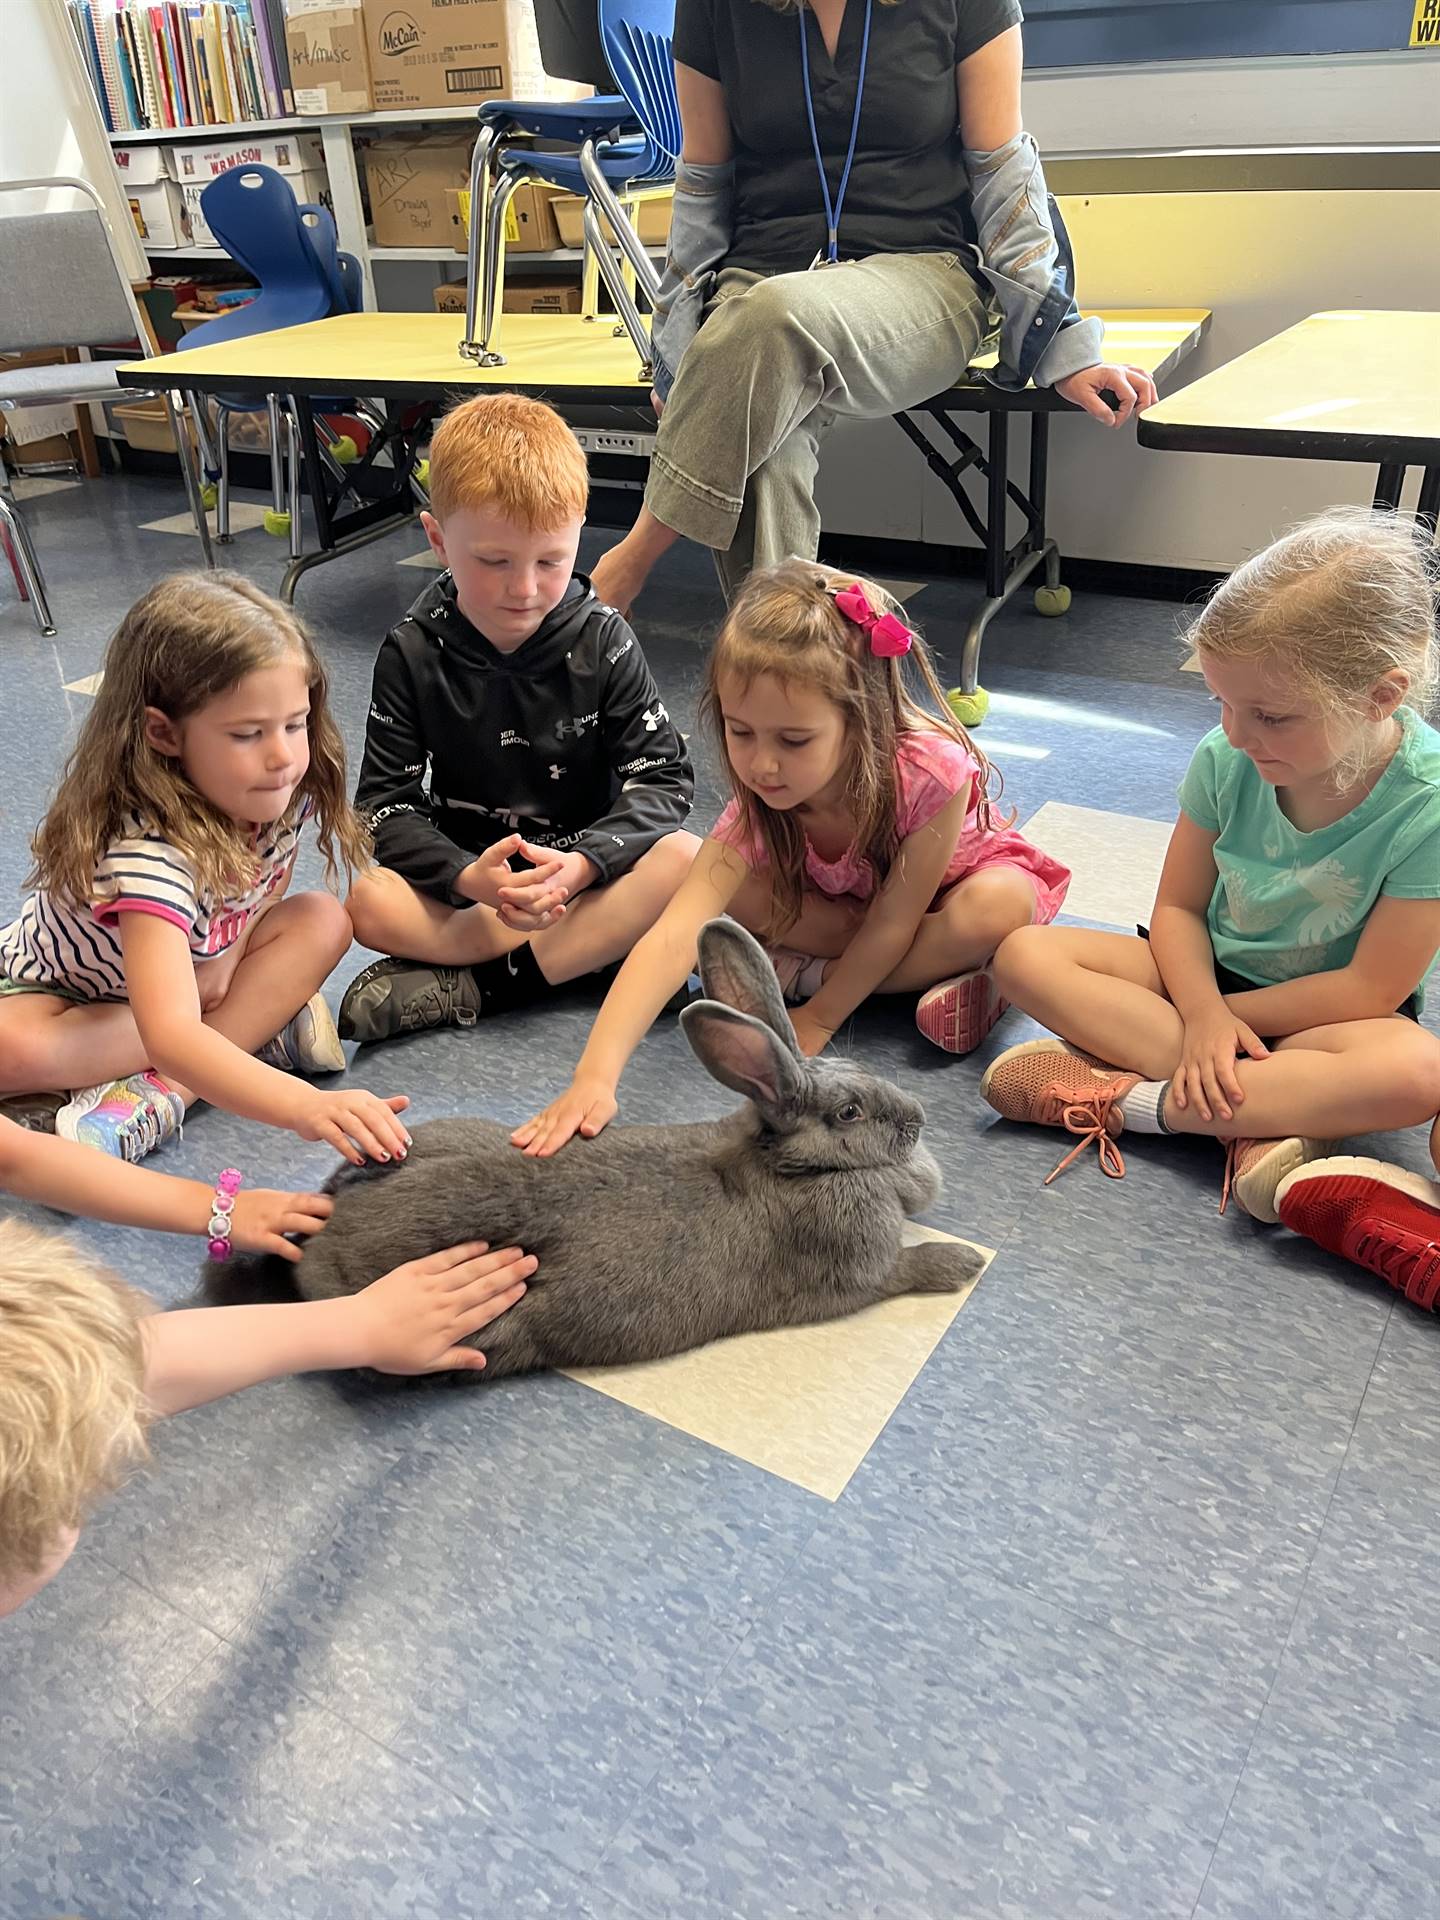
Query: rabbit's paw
[(939, 1266)]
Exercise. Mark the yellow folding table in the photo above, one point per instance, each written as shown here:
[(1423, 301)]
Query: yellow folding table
[(1360, 385), (411, 364)]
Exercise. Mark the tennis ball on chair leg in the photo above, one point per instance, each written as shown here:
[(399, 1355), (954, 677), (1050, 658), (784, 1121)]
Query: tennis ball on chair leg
[(277, 522), (968, 708), (1052, 601)]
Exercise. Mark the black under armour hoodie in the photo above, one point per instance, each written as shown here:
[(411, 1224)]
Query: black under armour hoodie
[(565, 741)]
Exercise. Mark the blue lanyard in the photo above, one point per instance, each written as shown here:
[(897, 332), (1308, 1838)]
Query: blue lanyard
[(832, 212)]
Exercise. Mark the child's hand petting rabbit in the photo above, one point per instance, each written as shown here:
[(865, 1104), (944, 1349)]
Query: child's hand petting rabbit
[(585, 1107)]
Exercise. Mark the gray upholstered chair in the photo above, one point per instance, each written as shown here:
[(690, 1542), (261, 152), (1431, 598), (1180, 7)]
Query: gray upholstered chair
[(62, 285)]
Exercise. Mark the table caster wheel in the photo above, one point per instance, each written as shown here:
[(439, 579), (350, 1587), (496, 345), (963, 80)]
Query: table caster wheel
[(277, 523), (968, 708), (1052, 601)]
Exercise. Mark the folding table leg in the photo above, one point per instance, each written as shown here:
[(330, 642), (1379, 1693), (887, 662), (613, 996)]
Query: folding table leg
[(1388, 485), (1429, 504)]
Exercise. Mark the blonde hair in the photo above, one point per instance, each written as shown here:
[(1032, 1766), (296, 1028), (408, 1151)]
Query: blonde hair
[(1333, 607), (785, 623), (72, 1400), (513, 455), (189, 640)]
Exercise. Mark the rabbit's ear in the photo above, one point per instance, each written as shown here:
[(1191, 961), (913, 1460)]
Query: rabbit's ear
[(742, 1053), (736, 971)]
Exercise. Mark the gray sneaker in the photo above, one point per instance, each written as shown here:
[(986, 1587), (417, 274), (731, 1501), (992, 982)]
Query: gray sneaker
[(405, 996), (34, 1111), (308, 1043)]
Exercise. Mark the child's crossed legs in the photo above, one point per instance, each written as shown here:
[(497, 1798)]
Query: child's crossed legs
[(247, 994), (1103, 993)]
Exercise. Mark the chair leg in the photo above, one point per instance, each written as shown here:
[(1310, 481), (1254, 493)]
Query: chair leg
[(601, 194), (222, 482), (479, 294), (277, 454), (19, 544), (615, 286), (186, 454), (292, 445)]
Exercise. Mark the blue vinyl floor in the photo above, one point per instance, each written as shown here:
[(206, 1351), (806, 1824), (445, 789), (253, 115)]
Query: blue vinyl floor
[(1129, 1613)]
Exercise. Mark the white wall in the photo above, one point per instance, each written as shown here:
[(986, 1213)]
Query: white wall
[(49, 122)]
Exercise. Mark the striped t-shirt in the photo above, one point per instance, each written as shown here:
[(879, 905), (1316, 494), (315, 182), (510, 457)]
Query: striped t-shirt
[(55, 943)]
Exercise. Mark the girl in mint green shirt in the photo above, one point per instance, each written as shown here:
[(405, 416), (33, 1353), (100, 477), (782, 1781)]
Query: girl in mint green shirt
[(1273, 1003)]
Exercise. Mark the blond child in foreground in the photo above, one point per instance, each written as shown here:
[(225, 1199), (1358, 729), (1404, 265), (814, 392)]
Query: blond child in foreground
[(1274, 1003), (87, 1363), (161, 957)]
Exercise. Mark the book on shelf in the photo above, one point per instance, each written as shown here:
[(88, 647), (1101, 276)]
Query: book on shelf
[(184, 63)]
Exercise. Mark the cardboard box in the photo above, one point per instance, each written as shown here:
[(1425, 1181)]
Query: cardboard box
[(529, 222), (650, 218), (329, 61), (310, 189), (288, 153), (542, 296), (438, 53), (161, 217), (408, 181), (140, 166)]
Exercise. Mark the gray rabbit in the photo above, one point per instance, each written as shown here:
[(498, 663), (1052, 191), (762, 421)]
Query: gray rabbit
[(654, 1239)]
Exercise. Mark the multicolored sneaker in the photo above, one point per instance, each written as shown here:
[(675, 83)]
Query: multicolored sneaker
[(957, 1014), (306, 1044), (405, 996), (1048, 1083), (1382, 1218), (127, 1118), (1255, 1168), (34, 1111)]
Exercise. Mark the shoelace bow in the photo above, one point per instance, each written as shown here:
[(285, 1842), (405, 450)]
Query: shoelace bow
[(1087, 1118), (1413, 1270)]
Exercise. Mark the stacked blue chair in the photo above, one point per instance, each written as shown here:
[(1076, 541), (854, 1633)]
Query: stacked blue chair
[(626, 141), (292, 252)]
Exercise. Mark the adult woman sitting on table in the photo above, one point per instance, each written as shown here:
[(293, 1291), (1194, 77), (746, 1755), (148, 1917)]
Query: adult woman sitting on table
[(837, 243)]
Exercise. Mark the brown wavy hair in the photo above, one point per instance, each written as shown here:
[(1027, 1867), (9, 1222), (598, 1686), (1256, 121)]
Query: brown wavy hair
[(191, 639), (785, 622)]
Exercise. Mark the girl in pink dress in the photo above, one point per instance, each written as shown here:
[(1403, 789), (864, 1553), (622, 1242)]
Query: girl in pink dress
[(862, 843)]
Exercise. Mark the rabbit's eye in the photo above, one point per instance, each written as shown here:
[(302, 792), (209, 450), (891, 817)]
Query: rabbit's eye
[(847, 1115)]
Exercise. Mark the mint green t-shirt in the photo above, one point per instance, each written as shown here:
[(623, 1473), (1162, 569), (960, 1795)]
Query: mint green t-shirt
[(1287, 903)]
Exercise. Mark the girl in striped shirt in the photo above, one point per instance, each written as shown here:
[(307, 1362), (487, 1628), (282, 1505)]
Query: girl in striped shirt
[(159, 959)]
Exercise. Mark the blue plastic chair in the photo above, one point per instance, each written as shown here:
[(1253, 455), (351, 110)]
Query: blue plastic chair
[(626, 142), (292, 252)]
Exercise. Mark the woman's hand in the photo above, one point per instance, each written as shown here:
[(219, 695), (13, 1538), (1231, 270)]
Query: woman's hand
[(1206, 1078), (355, 1123), (1131, 389), (263, 1217), (413, 1319), (585, 1107)]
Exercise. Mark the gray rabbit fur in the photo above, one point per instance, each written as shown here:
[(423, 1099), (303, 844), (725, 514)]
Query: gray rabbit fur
[(655, 1239)]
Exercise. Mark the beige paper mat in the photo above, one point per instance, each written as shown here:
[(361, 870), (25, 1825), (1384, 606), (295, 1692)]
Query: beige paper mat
[(805, 1403)]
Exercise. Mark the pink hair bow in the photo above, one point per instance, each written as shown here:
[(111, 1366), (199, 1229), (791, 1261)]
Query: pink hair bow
[(889, 636)]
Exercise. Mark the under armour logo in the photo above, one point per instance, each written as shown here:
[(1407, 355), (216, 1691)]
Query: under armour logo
[(652, 716), (556, 772)]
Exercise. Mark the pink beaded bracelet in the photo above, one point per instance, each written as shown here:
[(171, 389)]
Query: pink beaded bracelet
[(221, 1208)]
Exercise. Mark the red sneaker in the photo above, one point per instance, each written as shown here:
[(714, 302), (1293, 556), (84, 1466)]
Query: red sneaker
[(1382, 1218)]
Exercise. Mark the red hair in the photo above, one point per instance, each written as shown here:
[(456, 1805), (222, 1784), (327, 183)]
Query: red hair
[(512, 455)]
